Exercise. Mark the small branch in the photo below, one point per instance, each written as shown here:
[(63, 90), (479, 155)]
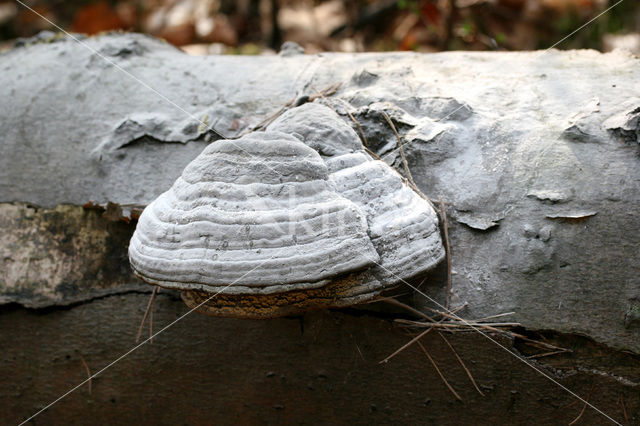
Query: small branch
[(462, 364), (439, 372)]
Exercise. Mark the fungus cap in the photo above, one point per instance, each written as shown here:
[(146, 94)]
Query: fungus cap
[(253, 215), (279, 222)]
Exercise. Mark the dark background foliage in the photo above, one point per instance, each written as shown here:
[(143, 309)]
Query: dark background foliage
[(260, 26)]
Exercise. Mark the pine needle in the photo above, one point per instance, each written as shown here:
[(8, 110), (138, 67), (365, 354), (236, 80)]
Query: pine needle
[(362, 135), (624, 409), (462, 364), (439, 372), (406, 345), (447, 251), (547, 354), (402, 156), (151, 324), (409, 308), (584, 407), (146, 313), (86, 367)]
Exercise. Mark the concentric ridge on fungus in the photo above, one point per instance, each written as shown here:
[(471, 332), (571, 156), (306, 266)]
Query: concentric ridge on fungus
[(295, 218), (258, 212)]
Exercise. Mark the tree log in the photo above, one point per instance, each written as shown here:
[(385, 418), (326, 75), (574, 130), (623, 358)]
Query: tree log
[(535, 155)]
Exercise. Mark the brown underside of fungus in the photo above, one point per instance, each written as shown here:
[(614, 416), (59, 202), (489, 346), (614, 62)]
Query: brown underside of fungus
[(279, 222)]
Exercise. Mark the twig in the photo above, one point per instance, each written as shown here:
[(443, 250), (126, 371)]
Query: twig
[(270, 119), (492, 328), (422, 314), (584, 407), (404, 158), (447, 248), (151, 322), (410, 309), (448, 314), (385, 298), (86, 367), (409, 179), (494, 316), (411, 342), (373, 154), (439, 372), (415, 339), (538, 343), (571, 404), (486, 326), (462, 364), (328, 91), (451, 322), (357, 123), (359, 351), (362, 135), (418, 312), (466, 325), (144, 318), (562, 351), (320, 94), (459, 308)]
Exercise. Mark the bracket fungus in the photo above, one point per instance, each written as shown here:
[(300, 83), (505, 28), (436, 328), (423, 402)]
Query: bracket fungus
[(279, 222)]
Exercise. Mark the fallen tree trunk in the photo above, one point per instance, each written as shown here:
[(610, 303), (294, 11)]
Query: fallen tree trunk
[(534, 156)]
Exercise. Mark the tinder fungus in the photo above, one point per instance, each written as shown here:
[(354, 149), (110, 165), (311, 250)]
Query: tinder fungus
[(278, 222)]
